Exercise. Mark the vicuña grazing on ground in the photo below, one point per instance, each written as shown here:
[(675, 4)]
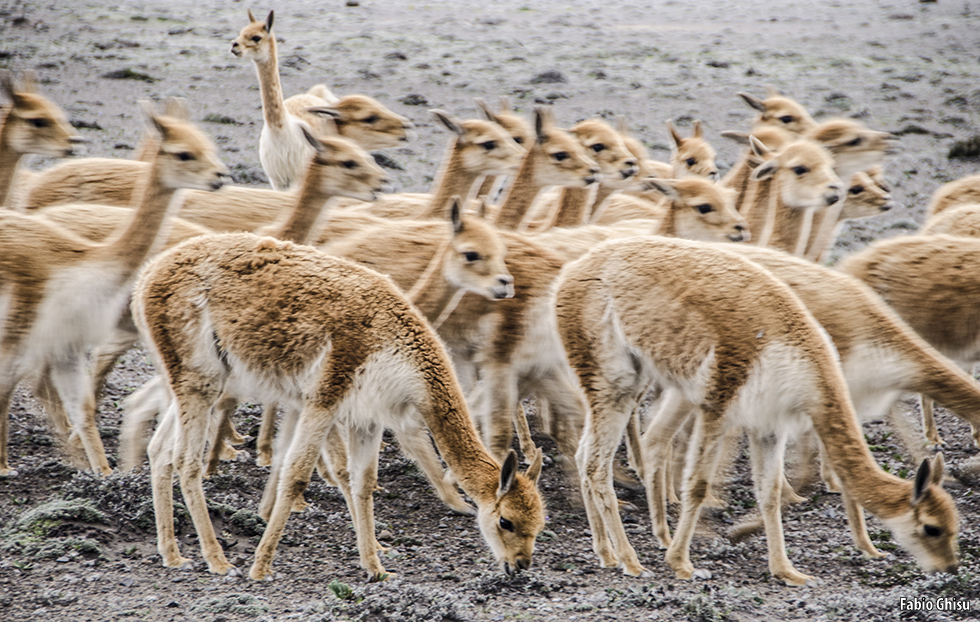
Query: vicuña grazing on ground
[(283, 151), (334, 339), (778, 111), (32, 124), (800, 179), (64, 293), (730, 342), (929, 281)]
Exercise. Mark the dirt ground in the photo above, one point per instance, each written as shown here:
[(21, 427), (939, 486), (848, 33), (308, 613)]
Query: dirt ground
[(76, 547)]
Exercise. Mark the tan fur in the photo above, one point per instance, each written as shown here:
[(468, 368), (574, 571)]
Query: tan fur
[(867, 196), (791, 185), (520, 131), (692, 155), (215, 310), (728, 341), (963, 219), (738, 177), (780, 112), (854, 147), (64, 293), (31, 124), (958, 192)]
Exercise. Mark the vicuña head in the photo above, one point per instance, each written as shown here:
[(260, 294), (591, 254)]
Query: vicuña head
[(33, 124), (476, 263), (616, 162), (804, 171), (514, 124), (483, 146), (367, 122), (255, 41), (854, 147), (348, 170), (561, 159), (779, 111), (511, 525), (693, 155), (866, 196), (700, 210), (187, 157)]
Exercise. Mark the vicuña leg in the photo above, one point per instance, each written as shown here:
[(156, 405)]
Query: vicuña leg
[(160, 451), (364, 445), (284, 439), (267, 430), (74, 387), (859, 530)]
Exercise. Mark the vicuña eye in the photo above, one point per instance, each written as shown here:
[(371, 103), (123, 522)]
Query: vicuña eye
[(490, 145), (471, 256), (185, 156), (561, 156), (856, 189), (371, 120), (256, 39), (598, 147), (509, 526), (704, 208), (690, 161), (931, 530), (518, 139), (40, 123), (854, 143), (349, 164), (786, 119), (801, 170)]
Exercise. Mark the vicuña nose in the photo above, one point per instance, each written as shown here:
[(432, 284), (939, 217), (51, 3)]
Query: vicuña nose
[(505, 280), (523, 563)]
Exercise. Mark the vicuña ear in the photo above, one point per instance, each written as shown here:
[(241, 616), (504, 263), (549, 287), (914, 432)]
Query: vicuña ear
[(310, 138), (485, 109), (534, 471), (922, 477), (663, 186), (678, 139), (741, 138), (28, 82), (508, 474), (753, 101), (771, 91), (324, 110), (765, 170), (542, 120), (505, 105), (938, 469), (269, 20), (152, 117), (454, 215), (758, 147), (177, 108), (251, 17), (448, 121), (7, 84), (698, 130), (482, 210)]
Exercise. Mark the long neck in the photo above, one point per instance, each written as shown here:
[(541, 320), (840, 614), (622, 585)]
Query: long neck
[(133, 244), (8, 163), (451, 425), (486, 186), (273, 108), (521, 194), (757, 209), (309, 205), (573, 204), (432, 293), (937, 377), (668, 225), (791, 228), (602, 193), (822, 231), (836, 424), (738, 179), (453, 180)]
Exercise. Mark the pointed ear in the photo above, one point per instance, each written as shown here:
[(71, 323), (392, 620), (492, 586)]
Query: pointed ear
[(28, 82), (448, 121), (152, 117), (251, 17), (698, 130), (759, 148), (540, 121), (268, 21), (922, 480), (485, 109), (938, 469), (771, 91), (454, 215), (678, 139), (621, 126), (508, 474), (313, 140), (482, 210), (505, 104), (741, 138), (663, 186), (755, 102), (324, 110), (534, 471), (176, 107), (765, 170)]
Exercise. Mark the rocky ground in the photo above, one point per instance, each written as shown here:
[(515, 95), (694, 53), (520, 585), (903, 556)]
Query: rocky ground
[(75, 547)]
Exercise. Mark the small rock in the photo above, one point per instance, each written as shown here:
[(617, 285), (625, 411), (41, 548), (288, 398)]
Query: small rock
[(63, 559), (549, 77), (130, 581), (353, 3), (414, 99), (172, 604), (385, 535)]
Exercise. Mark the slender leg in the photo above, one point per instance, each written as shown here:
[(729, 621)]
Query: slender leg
[(224, 431), (140, 408), (7, 386), (704, 443), (74, 386), (634, 450), (524, 432), (160, 452), (415, 443), (929, 422), (68, 439), (830, 478), (859, 531), (284, 439), (497, 409), (767, 466), (673, 412), (365, 444), (266, 431), (563, 410), (299, 460)]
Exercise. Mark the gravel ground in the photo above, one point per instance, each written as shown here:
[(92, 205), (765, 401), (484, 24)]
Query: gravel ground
[(74, 547)]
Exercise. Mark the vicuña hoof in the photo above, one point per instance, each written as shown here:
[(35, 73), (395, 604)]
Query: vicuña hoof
[(793, 578)]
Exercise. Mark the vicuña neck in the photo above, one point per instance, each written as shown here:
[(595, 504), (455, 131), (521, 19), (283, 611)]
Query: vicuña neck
[(432, 292), (573, 205), (668, 225), (738, 179), (882, 494), (822, 230), (273, 108), (521, 193), (453, 180), (309, 205), (8, 163), (134, 243), (791, 225)]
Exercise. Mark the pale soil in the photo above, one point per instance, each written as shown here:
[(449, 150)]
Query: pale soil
[(902, 66)]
